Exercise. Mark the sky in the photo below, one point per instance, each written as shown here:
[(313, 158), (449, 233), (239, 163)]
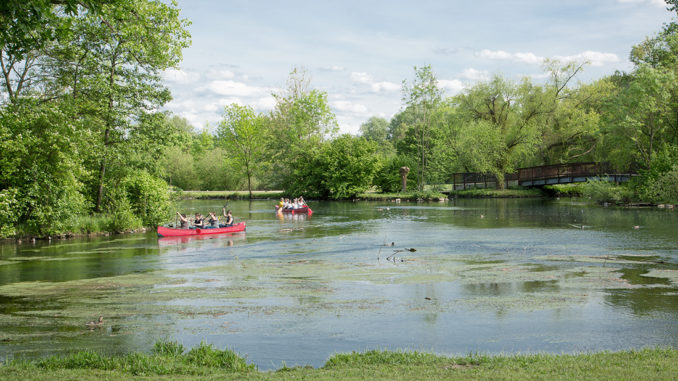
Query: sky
[(360, 52)]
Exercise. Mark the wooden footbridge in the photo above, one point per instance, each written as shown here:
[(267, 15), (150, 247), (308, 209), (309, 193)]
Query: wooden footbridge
[(542, 175)]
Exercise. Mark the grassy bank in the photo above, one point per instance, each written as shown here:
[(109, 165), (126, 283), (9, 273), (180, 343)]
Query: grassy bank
[(497, 193), (406, 196), (234, 195), (170, 360), (79, 226)]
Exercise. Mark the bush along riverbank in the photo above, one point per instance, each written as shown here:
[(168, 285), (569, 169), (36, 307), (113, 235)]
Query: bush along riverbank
[(609, 193), (170, 359)]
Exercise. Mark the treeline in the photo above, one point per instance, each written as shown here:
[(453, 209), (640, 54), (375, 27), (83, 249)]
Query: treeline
[(82, 134), (627, 119)]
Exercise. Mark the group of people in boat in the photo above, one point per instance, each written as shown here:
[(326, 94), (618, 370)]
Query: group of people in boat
[(286, 204), (209, 222)]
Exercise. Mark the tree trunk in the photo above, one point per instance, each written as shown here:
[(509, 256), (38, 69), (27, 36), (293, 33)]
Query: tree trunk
[(107, 133)]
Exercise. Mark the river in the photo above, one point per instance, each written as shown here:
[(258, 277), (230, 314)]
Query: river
[(467, 275)]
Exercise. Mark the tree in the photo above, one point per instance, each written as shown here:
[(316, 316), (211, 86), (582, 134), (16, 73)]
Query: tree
[(108, 64), (40, 168), (243, 133), (375, 129), (301, 121), (512, 112), (570, 125), (337, 169), (423, 96), (642, 111)]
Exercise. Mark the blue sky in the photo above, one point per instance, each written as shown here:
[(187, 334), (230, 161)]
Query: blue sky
[(359, 52)]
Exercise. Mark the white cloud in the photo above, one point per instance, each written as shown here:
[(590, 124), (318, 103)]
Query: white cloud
[(595, 58), (223, 102), (181, 77), (385, 86), (506, 56), (237, 89), (350, 124), (376, 87), (348, 106), (453, 85), (475, 75), (361, 77), (265, 103), (219, 73)]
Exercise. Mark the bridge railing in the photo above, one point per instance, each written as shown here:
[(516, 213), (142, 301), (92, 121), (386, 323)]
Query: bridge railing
[(556, 171), (463, 181), (541, 175)]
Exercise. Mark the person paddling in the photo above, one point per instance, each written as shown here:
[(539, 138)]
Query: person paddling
[(183, 221), (197, 222), (213, 220), (228, 216)]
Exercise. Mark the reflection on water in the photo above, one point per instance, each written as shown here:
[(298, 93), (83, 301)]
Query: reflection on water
[(485, 275)]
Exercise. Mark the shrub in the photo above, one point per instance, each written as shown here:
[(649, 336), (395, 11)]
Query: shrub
[(428, 195), (664, 188), (605, 191), (565, 190), (148, 196), (118, 207), (388, 178), (9, 212)]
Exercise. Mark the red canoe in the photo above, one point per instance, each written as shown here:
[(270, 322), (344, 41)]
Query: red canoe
[(304, 210), (170, 232)]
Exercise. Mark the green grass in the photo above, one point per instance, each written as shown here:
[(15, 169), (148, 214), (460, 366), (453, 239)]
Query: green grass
[(406, 196), (170, 361), (206, 195), (497, 193)]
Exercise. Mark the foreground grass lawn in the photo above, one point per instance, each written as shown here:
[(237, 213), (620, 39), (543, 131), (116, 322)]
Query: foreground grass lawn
[(169, 361)]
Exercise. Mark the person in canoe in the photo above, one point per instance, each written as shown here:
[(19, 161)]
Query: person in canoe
[(198, 222), (228, 218), (183, 221), (213, 220)]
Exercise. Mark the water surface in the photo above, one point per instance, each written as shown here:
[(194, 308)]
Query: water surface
[(454, 277)]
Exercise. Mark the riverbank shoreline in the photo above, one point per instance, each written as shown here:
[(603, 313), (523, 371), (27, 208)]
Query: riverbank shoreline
[(428, 196), (227, 195), (206, 362), (69, 235)]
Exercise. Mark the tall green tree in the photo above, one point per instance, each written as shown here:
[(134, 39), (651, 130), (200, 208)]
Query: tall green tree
[(641, 114), (569, 125), (39, 168), (512, 112), (422, 95), (301, 121), (376, 129), (128, 66), (244, 135)]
